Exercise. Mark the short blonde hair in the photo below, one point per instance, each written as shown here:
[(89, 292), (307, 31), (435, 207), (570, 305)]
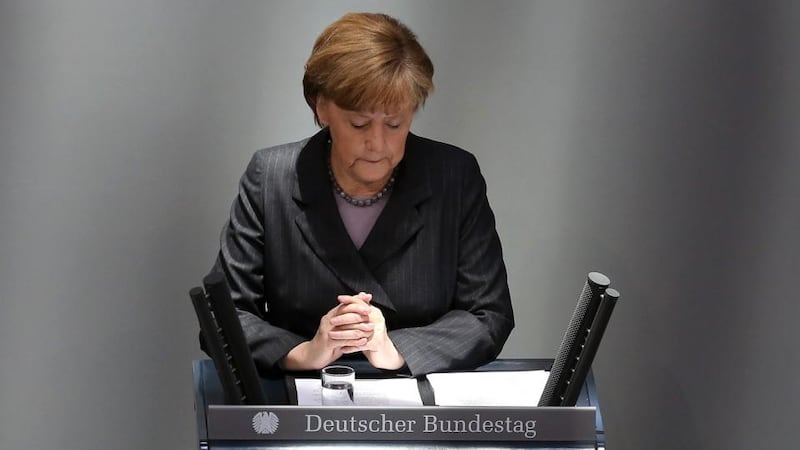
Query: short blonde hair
[(366, 60)]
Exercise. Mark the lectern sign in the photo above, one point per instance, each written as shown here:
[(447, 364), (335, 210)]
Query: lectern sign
[(427, 423)]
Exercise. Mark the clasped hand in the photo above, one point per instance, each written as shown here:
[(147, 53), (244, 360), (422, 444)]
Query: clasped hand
[(354, 325)]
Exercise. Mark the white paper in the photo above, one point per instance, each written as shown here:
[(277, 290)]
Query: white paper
[(366, 392), (518, 388)]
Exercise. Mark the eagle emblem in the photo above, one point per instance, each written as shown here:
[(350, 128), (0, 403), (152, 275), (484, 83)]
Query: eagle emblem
[(265, 422)]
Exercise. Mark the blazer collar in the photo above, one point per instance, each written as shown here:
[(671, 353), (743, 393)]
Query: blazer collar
[(324, 231)]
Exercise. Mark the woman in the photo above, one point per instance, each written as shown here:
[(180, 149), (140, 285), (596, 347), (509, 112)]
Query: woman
[(366, 239)]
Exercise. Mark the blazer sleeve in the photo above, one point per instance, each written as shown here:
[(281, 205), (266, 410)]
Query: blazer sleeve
[(241, 259), (481, 318)]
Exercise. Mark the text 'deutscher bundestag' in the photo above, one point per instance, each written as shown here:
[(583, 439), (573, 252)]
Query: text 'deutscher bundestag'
[(575, 424)]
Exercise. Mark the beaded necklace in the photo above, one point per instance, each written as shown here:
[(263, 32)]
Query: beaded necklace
[(360, 202)]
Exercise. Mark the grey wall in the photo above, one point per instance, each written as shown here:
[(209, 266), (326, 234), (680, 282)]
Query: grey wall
[(653, 141)]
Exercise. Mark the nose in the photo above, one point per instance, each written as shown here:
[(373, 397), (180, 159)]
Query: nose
[(375, 138)]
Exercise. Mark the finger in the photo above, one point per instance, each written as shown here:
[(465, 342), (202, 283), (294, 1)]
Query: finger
[(349, 299), (357, 308), (351, 335), (360, 297), (351, 303), (352, 343), (367, 327), (346, 319)]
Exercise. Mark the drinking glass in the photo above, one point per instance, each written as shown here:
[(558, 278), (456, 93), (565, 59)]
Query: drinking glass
[(337, 385)]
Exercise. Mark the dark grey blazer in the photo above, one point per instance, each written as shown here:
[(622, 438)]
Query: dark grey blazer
[(432, 262)]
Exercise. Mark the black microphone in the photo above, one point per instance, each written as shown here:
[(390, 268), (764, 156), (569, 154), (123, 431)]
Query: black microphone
[(236, 349), (215, 346), (586, 357), (563, 367)]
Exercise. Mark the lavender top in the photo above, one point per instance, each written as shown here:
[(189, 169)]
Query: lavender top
[(359, 220)]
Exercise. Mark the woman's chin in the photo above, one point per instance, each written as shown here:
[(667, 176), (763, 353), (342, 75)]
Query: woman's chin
[(377, 175)]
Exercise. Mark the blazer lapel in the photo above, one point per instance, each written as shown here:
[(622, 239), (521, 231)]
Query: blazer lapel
[(400, 220), (322, 227)]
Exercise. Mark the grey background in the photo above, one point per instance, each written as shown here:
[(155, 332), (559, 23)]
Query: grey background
[(654, 141)]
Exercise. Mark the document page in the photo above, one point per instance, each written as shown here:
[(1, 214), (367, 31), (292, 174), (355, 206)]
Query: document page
[(518, 388), (366, 392)]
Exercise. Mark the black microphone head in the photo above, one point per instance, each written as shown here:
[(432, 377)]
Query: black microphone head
[(599, 279), (214, 278)]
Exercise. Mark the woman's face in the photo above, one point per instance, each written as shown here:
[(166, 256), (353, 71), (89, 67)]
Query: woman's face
[(365, 145)]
